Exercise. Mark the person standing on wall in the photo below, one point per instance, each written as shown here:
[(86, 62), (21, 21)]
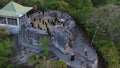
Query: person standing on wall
[(85, 52)]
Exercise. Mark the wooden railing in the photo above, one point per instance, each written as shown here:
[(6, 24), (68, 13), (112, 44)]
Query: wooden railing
[(2, 21)]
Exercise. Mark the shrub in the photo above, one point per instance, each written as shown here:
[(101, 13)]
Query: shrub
[(5, 49), (43, 43)]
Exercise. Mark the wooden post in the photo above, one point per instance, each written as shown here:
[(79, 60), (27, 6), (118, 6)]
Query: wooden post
[(18, 22), (6, 20), (25, 16)]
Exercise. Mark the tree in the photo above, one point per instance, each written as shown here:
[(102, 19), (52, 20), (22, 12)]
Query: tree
[(64, 6), (106, 19), (5, 49)]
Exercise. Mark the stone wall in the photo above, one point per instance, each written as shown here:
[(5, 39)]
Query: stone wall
[(62, 34)]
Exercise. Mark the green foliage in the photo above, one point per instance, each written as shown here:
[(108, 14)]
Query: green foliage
[(104, 2), (63, 6), (60, 64), (3, 2), (114, 66), (48, 4), (99, 2), (51, 64), (10, 66), (105, 21), (3, 32), (44, 42), (79, 9), (108, 51), (80, 4), (5, 49), (31, 58), (37, 59)]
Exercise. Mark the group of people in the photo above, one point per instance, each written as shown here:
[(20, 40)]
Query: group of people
[(52, 20), (73, 56), (55, 20), (69, 46)]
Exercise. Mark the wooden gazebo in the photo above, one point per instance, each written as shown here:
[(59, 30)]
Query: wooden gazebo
[(13, 14)]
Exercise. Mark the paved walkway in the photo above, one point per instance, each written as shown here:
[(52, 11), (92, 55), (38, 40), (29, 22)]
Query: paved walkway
[(78, 48), (65, 58)]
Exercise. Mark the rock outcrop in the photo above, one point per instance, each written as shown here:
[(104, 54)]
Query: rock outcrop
[(64, 33)]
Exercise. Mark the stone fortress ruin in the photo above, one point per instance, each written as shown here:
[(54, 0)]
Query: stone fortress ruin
[(63, 34)]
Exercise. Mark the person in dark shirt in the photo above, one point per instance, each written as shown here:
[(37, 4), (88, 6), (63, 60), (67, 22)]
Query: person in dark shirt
[(85, 52), (72, 57), (43, 22), (32, 24), (56, 19)]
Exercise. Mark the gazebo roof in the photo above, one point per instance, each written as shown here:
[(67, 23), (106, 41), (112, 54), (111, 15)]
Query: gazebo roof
[(13, 9)]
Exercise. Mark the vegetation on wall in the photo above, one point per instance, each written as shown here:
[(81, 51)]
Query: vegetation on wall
[(43, 43)]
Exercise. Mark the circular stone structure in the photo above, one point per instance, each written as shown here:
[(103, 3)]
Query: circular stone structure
[(66, 39)]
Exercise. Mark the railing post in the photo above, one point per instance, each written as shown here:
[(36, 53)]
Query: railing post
[(18, 22), (6, 20)]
